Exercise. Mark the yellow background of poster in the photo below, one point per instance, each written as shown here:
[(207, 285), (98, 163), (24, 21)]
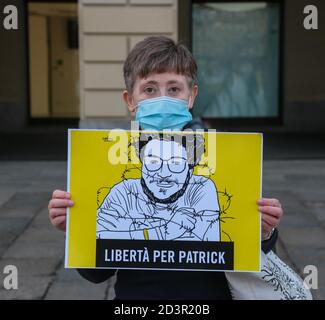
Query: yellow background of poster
[(238, 172)]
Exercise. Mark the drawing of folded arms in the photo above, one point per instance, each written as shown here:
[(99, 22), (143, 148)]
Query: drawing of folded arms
[(111, 224), (202, 225)]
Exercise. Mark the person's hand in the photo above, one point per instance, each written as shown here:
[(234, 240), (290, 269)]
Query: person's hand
[(272, 213), (61, 200)]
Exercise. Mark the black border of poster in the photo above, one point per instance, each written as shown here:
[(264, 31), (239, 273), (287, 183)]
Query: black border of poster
[(160, 254)]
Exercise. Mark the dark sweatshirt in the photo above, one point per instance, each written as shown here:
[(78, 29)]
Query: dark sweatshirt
[(168, 285)]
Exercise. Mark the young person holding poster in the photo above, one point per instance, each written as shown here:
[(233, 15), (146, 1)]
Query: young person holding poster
[(160, 78)]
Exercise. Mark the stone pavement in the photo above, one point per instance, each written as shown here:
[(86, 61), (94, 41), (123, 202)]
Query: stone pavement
[(28, 241)]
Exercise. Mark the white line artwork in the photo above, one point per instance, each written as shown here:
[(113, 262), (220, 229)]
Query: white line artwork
[(168, 201)]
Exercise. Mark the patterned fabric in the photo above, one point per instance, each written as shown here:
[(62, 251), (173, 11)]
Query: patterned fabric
[(283, 279), (276, 281)]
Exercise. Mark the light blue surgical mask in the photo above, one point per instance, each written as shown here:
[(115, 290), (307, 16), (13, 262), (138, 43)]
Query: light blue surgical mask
[(163, 113)]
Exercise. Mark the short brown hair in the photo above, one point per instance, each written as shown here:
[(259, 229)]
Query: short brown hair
[(158, 54)]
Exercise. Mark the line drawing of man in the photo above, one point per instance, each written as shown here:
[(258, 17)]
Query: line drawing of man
[(168, 202)]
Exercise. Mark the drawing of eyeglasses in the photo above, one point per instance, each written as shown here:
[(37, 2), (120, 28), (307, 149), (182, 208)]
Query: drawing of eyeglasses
[(174, 164)]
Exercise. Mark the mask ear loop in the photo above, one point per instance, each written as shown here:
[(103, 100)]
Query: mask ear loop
[(136, 108), (189, 103), (135, 112)]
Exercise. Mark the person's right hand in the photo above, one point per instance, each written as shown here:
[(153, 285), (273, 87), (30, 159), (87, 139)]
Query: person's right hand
[(61, 200)]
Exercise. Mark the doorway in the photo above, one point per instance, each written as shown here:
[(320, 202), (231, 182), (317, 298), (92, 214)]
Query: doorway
[(53, 60)]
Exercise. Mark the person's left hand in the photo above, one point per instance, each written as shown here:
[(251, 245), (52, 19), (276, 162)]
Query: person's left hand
[(271, 211)]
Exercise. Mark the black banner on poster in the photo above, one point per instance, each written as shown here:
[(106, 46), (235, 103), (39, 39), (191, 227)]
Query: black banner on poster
[(156, 254)]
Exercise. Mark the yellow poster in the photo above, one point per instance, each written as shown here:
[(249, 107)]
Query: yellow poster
[(167, 200)]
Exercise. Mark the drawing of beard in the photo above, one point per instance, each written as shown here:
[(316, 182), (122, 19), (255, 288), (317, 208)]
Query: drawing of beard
[(160, 190)]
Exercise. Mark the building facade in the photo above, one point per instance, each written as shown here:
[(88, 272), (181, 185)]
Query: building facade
[(259, 68), (108, 31)]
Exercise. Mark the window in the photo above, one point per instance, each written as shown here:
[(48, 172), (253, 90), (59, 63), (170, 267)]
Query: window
[(236, 46)]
